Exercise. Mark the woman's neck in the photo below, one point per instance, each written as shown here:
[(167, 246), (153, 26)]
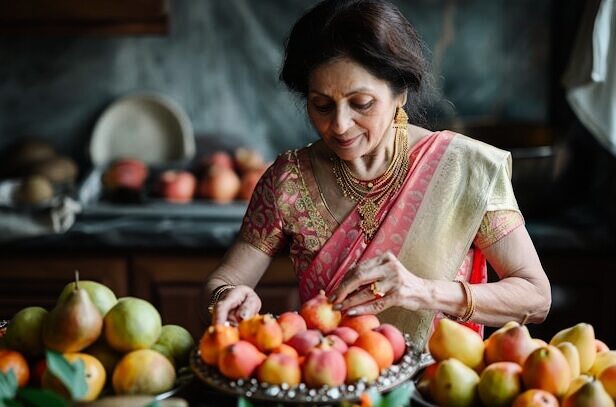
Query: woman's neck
[(373, 164)]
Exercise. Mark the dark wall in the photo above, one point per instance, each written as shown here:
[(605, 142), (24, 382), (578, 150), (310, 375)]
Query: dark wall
[(221, 62)]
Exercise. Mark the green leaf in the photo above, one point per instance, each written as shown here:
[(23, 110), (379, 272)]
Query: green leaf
[(154, 403), (41, 398), (10, 403), (375, 397), (8, 384), (398, 397), (243, 402), (72, 375)]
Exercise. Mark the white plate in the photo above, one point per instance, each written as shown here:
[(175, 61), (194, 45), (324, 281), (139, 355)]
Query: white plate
[(144, 126)]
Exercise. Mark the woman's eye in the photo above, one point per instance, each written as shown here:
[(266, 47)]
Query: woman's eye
[(323, 108), (363, 106)]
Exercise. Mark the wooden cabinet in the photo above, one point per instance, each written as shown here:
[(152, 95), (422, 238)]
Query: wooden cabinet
[(174, 285), (39, 281), (108, 17)]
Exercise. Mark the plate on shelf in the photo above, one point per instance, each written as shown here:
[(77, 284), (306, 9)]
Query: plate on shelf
[(392, 377)]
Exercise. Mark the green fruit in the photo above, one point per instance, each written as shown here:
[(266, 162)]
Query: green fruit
[(102, 297), (132, 324), (165, 351), (178, 341), (108, 357), (24, 333)]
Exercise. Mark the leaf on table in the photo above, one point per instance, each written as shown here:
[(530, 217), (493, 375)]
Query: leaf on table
[(41, 398), (243, 402), (8, 385), (72, 375), (398, 397)]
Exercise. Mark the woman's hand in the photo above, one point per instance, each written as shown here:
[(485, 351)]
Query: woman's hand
[(239, 303), (377, 284)]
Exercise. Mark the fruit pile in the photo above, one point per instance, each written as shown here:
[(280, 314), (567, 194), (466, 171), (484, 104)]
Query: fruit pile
[(510, 368), (219, 177), (121, 343), (317, 346)]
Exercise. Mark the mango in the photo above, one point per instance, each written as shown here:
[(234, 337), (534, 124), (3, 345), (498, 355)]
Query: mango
[(547, 369), (454, 384), (453, 340), (582, 336)]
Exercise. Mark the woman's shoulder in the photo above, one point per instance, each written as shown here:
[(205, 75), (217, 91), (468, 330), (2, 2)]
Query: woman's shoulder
[(472, 148)]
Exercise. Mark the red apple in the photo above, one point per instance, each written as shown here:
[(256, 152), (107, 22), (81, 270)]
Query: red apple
[(218, 159), (177, 186), (247, 160), (220, 184), (125, 174)]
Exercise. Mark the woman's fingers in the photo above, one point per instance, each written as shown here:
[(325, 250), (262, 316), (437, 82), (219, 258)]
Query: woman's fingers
[(250, 306), (224, 309), (364, 274), (365, 294), (375, 306)]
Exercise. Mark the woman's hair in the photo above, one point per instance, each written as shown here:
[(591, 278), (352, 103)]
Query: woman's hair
[(373, 33)]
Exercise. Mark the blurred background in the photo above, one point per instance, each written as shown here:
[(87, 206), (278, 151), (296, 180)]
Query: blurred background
[(502, 71)]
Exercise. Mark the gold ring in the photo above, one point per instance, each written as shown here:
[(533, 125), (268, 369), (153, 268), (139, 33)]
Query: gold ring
[(375, 291)]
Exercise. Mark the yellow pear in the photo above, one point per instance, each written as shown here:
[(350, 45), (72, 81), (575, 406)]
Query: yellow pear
[(582, 336), (590, 394), (453, 340), (576, 383), (602, 361), (572, 355), (454, 384)]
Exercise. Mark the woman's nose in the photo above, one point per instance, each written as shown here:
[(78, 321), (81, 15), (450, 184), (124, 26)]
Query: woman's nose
[(343, 121)]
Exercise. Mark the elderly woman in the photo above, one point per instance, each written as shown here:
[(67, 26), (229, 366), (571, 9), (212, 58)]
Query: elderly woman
[(386, 217)]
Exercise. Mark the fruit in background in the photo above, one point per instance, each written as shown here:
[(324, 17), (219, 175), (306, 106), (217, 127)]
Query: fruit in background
[(219, 159), (360, 365), (102, 297), (94, 374), (132, 324), (423, 385), (304, 341), (291, 323), (126, 173), (10, 359), (177, 186), (454, 384), (512, 343), (535, 398), (582, 336), (108, 357), (500, 383), (219, 184), (361, 323), (248, 328), (268, 334), (608, 379), (33, 190), (348, 335), (143, 371), (178, 341), (570, 353), (324, 366), (247, 159), (215, 339), (602, 361), (25, 332), (590, 394), (336, 343), (58, 170), (74, 324), (319, 314), (27, 153), (540, 342), (378, 346), (249, 182), (279, 368), (601, 346), (37, 370), (576, 383), (287, 350), (547, 369), (453, 340), (239, 360), (395, 338)]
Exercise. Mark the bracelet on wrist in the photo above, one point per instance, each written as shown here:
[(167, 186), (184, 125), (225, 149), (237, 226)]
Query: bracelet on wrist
[(470, 304), (216, 296)]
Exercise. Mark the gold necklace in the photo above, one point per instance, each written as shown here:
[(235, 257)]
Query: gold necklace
[(371, 194)]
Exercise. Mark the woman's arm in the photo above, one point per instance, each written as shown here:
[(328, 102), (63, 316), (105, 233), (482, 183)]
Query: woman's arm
[(521, 294), (243, 266)]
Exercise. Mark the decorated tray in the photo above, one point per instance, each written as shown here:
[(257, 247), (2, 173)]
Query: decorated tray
[(251, 388)]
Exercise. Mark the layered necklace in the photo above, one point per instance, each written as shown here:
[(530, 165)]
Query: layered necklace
[(370, 195)]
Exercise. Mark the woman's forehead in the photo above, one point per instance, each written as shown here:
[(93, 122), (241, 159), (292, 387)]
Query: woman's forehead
[(343, 77)]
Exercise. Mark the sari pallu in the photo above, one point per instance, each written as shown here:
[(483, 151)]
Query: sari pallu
[(429, 224)]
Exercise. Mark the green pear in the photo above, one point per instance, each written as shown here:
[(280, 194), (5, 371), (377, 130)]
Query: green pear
[(102, 297), (74, 324), (582, 336), (572, 355), (454, 384), (24, 333), (453, 340), (178, 341), (590, 394), (602, 361), (500, 383)]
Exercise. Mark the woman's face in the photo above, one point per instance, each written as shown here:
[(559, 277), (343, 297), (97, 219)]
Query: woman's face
[(350, 108)]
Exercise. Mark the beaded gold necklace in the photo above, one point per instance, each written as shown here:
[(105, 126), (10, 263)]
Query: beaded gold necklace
[(371, 194)]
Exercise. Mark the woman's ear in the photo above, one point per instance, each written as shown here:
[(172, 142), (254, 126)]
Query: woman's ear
[(403, 99)]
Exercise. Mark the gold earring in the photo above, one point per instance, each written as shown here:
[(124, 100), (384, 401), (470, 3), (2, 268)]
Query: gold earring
[(401, 119)]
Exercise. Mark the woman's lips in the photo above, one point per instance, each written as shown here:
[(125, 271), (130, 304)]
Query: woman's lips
[(346, 143)]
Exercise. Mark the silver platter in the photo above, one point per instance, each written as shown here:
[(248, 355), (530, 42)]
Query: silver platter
[(252, 389)]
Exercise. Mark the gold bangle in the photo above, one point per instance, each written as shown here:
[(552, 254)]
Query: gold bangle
[(470, 304), (216, 294)]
